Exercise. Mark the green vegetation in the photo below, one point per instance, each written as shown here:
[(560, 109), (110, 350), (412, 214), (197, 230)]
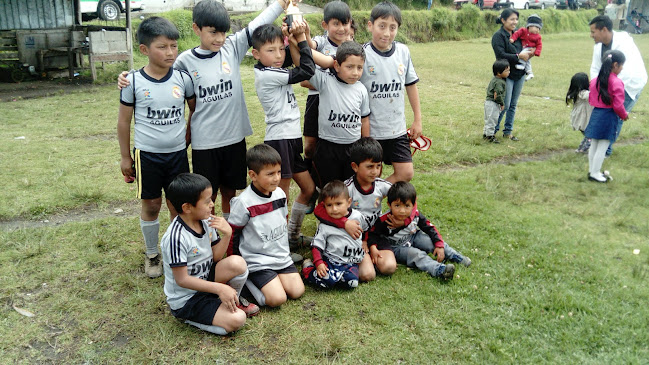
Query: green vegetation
[(554, 278)]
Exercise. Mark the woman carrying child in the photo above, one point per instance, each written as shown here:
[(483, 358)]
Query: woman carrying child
[(581, 110), (607, 98)]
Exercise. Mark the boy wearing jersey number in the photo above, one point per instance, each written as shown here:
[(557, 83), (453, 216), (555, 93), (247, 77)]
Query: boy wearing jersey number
[(220, 122), (156, 96), (258, 219), (388, 74)]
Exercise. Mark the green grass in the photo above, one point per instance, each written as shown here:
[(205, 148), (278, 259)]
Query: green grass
[(554, 278)]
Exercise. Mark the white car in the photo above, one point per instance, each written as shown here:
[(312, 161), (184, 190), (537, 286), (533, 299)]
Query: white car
[(526, 4), (107, 9)]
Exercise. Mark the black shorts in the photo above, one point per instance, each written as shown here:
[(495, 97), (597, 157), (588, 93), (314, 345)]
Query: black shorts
[(311, 116), (262, 277), (290, 150), (223, 165), (331, 161), (396, 149), (154, 171), (201, 307)]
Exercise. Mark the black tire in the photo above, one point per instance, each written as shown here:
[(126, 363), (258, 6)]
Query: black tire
[(542, 6), (17, 75), (526, 6), (109, 10), (555, 5)]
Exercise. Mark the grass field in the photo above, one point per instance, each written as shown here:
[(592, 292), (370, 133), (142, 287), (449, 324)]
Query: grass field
[(554, 280)]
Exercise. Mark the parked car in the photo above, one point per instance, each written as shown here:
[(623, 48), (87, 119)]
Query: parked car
[(482, 4), (106, 9), (540, 4), (578, 4)]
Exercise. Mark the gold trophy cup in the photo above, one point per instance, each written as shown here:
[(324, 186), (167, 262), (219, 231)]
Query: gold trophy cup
[(293, 13)]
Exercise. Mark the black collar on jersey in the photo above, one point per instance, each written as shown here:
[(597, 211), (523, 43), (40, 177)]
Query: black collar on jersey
[(259, 65), (252, 186), (152, 79), (360, 189), (203, 56), (387, 53), (349, 212), (196, 234), (332, 42)]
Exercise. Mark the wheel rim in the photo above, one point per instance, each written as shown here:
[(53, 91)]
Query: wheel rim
[(110, 11)]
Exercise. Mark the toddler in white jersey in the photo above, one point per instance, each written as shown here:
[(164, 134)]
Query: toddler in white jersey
[(258, 219), (336, 254)]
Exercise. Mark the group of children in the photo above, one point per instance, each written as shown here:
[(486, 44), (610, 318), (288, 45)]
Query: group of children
[(360, 123)]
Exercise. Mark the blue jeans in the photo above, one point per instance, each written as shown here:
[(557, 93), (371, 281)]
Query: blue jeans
[(430, 3), (628, 106), (415, 254), (512, 92)]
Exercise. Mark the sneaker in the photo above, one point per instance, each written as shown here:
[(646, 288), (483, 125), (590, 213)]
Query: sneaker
[(296, 257), (509, 136), (600, 178), (300, 241), (491, 139), (153, 266), (529, 76), (250, 309), (448, 273)]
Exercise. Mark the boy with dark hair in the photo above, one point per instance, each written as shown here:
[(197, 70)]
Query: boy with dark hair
[(156, 97), (258, 219), (220, 106), (387, 72), (274, 86), (336, 254), (414, 238), (495, 101), (201, 286), (336, 22)]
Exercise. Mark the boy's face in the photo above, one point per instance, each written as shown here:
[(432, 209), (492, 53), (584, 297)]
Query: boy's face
[(337, 207), (336, 30), (533, 29), (350, 70), (504, 74), (367, 171), (401, 210), (203, 207), (162, 52), (383, 32), (211, 40), (268, 178), (271, 54)]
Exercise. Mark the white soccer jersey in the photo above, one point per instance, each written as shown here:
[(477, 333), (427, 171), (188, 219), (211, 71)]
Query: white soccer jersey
[(325, 46), (158, 109), (342, 106), (337, 245), (386, 75), (181, 246), (368, 202), (275, 93), (260, 229), (221, 117)]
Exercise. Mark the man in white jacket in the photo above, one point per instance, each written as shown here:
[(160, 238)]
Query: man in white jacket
[(634, 74)]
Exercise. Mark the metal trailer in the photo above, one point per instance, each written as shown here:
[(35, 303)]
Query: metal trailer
[(629, 15)]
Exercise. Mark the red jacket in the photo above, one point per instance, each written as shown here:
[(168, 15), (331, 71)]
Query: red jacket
[(529, 40)]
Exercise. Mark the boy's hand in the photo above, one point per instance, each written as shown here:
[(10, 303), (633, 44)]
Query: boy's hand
[(322, 270), (228, 296), (365, 248), (375, 254), (220, 224), (511, 40), (284, 28), (439, 253), (127, 166), (353, 228), (394, 223), (298, 27), (122, 82), (415, 130)]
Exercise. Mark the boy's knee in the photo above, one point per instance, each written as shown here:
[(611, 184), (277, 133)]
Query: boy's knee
[(388, 268), (276, 299), (237, 264), (296, 290), (236, 321), (367, 276)]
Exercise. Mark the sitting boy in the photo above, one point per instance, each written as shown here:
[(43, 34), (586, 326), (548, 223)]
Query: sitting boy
[(415, 236), (258, 217), (336, 254), (201, 286), (156, 95)]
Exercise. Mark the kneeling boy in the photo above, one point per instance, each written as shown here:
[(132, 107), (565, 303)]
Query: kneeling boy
[(258, 217), (201, 286), (414, 238)]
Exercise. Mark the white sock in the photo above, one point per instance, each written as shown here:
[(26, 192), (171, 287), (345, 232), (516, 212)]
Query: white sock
[(238, 282), (259, 296), (295, 222), (598, 157), (208, 328), (150, 230)]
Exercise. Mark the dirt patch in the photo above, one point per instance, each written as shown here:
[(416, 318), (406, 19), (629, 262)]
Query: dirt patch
[(42, 88)]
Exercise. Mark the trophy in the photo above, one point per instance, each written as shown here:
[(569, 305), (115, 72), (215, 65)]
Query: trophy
[(292, 13)]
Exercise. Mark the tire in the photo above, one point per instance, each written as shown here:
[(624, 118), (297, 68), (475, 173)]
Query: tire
[(555, 5), (109, 10), (526, 6), (542, 6)]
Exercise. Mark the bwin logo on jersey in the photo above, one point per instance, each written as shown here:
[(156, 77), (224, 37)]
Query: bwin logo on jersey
[(393, 86), (274, 233), (345, 118), (164, 113)]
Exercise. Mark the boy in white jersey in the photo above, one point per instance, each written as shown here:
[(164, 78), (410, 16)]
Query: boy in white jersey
[(336, 21), (156, 96), (343, 116), (220, 122), (387, 74), (336, 254), (201, 286), (274, 86), (258, 218), (367, 191), (411, 236)]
